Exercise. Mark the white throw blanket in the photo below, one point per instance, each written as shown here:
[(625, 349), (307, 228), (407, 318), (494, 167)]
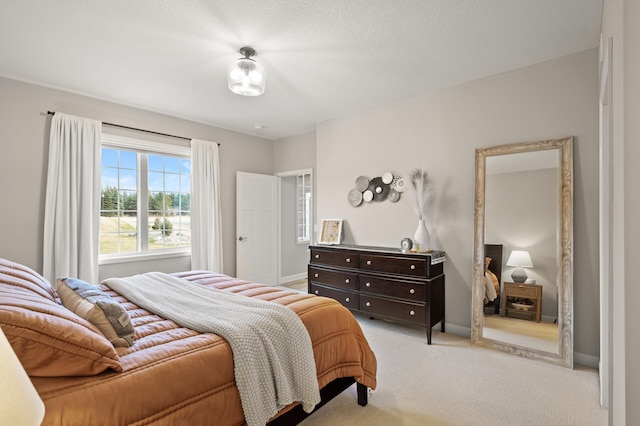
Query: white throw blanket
[(272, 353)]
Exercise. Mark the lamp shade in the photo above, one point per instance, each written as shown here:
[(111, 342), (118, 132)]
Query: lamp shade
[(245, 76), (20, 403), (520, 259)]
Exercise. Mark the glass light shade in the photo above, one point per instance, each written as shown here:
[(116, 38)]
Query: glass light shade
[(520, 258), (20, 403), (246, 77)]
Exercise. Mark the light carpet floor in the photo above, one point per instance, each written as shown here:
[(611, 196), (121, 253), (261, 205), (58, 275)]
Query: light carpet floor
[(453, 383)]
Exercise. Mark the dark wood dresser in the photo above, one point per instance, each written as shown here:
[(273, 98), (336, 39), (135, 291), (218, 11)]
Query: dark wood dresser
[(381, 282)]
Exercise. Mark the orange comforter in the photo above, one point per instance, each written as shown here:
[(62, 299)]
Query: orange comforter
[(173, 375)]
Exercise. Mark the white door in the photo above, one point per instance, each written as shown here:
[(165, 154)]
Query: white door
[(257, 228)]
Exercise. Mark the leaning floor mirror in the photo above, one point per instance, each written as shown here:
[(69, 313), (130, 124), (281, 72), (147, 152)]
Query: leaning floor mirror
[(522, 298)]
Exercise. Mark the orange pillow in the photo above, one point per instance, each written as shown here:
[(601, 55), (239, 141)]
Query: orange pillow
[(49, 340)]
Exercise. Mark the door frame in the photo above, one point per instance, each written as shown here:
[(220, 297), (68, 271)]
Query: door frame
[(280, 175)]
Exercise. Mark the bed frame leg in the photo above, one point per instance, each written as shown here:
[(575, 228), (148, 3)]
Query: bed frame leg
[(363, 394)]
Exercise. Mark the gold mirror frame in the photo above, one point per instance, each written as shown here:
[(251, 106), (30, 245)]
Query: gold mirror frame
[(565, 318)]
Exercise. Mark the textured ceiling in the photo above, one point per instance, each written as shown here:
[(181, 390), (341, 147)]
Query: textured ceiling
[(324, 58)]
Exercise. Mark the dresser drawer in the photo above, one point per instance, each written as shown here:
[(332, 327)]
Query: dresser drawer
[(347, 298), (394, 265), (392, 288), (335, 278), (344, 258), (403, 311)]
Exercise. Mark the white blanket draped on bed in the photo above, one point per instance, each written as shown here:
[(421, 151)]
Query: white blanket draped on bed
[(272, 353)]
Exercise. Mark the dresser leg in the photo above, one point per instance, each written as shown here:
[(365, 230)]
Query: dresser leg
[(363, 398), (428, 335), (442, 326)]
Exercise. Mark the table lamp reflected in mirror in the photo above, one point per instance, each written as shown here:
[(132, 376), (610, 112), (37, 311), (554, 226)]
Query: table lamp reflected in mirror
[(520, 259)]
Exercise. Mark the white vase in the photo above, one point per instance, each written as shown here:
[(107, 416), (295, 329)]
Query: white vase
[(422, 236)]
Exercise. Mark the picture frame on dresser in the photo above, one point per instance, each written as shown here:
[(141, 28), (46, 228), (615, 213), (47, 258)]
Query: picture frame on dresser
[(330, 231)]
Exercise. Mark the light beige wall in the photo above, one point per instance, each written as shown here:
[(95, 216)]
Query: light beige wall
[(440, 133), (295, 153), (24, 135)]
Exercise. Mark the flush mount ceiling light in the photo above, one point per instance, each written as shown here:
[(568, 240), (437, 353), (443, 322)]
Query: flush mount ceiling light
[(245, 76)]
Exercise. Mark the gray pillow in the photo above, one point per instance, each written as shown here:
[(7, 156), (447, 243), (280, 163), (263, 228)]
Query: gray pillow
[(97, 307)]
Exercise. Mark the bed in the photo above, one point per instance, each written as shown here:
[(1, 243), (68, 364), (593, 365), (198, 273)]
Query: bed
[(493, 277), (170, 374)]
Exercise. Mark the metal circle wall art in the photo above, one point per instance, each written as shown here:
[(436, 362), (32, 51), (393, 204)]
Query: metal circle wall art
[(385, 187)]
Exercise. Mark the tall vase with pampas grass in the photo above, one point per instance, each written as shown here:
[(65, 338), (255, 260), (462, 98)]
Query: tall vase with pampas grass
[(422, 188)]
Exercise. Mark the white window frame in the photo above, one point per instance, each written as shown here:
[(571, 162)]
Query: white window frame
[(148, 147), (303, 207)]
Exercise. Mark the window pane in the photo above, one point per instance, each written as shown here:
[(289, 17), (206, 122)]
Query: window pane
[(156, 181), (172, 182), (128, 179), (109, 177), (185, 183), (128, 160), (118, 234), (156, 163), (129, 202), (156, 204), (185, 203), (171, 164), (185, 166), (109, 157)]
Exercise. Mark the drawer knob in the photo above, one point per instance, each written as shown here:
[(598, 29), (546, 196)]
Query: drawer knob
[(347, 281), (412, 313), (412, 291), (368, 303), (413, 266), (316, 292), (315, 275), (317, 256), (368, 284), (348, 259), (347, 299), (368, 262)]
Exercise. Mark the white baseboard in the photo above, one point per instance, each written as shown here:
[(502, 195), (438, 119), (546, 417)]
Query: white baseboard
[(586, 360), (292, 278), (458, 330)]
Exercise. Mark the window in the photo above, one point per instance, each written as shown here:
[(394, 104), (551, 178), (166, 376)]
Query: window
[(145, 200), (303, 208)]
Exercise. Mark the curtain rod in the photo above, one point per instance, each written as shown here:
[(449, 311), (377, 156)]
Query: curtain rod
[(136, 129)]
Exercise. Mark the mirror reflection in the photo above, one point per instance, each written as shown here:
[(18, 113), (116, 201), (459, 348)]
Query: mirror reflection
[(522, 274), (521, 218)]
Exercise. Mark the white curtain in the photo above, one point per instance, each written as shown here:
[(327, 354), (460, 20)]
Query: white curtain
[(72, 204), (206, 212)]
